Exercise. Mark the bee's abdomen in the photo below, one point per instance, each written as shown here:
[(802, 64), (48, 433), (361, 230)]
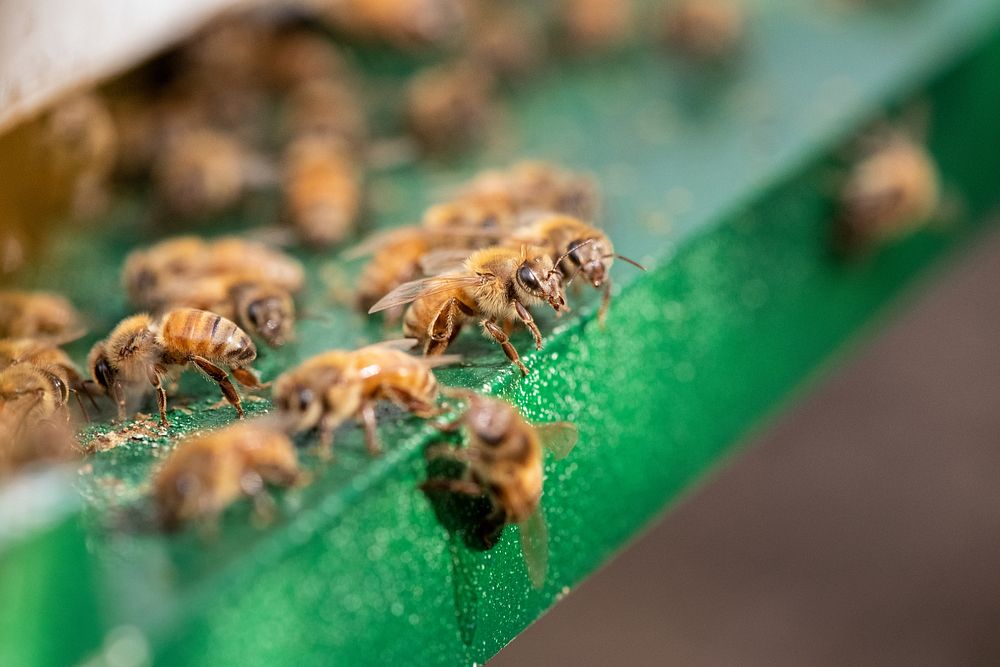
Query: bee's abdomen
[(202, 333)]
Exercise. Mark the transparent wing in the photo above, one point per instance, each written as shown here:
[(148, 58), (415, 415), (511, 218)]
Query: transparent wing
[(557, 437), (535, 545), (413, 290), (443, 260), (377, 240), (403, 344)]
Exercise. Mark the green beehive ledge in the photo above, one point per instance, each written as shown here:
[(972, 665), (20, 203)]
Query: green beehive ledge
[(718, 182)]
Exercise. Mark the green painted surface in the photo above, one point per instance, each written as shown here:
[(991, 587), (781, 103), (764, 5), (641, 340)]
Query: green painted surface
[(722, 190)]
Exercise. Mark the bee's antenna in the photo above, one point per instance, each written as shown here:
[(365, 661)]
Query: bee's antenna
[(555, 267), (626, 259)]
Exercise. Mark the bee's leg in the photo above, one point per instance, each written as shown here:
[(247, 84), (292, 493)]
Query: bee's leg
[(161, 396), (371, 428), (529, 322), (490, 327), (248, 378), (602, 313), (443, 328), (220, 377), (327, 425), (119, 395)]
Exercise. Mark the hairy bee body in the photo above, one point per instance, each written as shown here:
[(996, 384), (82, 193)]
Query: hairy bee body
[(332, 387), (141, 349), (206, 473), (496, 285), (187, 332), (241, 280), (36, 314), (394, 263), (322, 189), (890, 193)]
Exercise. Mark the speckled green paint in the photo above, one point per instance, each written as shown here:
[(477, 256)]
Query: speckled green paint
[(722, 191)]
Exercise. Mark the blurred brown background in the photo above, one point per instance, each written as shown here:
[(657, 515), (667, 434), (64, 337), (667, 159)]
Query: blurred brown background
[(861, 528)]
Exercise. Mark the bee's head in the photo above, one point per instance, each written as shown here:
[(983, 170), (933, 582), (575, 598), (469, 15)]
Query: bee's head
[(271, 317), (540, 279), (489, 420), (590, 256), (101, 370), (298, 402)]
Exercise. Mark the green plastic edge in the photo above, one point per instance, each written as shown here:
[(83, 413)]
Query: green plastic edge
[(289, 601)]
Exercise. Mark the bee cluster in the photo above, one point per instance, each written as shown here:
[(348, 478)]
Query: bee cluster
[(202, 126)]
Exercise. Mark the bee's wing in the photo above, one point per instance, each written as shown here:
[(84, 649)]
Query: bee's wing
[(402, 344), (375, 241), (444, 260), (441, 360), (535, 545), (557, 437), (413, 290)]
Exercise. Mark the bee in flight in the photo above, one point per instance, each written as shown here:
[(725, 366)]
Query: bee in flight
[(495, 285), (208, 472), (143, 350), (505, 463), (334, 386)]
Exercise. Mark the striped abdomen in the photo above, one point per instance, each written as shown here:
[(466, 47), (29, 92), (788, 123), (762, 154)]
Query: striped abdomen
[(190, 332)]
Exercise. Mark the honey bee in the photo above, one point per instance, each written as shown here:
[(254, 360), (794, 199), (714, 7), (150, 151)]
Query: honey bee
[(484, 212), (584, 249), (596, 26), (242, 280), (496, 285), (208, 472), (261, 309), (24, 444), (322, 189), (328, 108), (141, 349), (37, 315), (449, 107), (200, 172), (334, 386), (507, 40), (36, 379), (295, 56), (708, 30), (893, 191), (537, 186), (505, 463), (406, 24), (396, 260)]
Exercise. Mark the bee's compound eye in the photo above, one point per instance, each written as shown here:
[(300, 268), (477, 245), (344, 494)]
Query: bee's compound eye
[(103, 372), (573, 251), (528, 278)]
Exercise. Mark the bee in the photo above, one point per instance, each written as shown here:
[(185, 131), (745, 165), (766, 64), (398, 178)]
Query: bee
[(242, 280), (295, 56), (507, 40), (893, 191), (208, 472), (395, 260), (334, 386), (141, 349), (537, 186), (406, 24), (328, 108), (583, 249), (484, 212), (262, 309), (24, 444), (449, 107), (596, 26), (495, 285), (707, 30), (505, 463), (322, 189), (37, 315), (200, 172)]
